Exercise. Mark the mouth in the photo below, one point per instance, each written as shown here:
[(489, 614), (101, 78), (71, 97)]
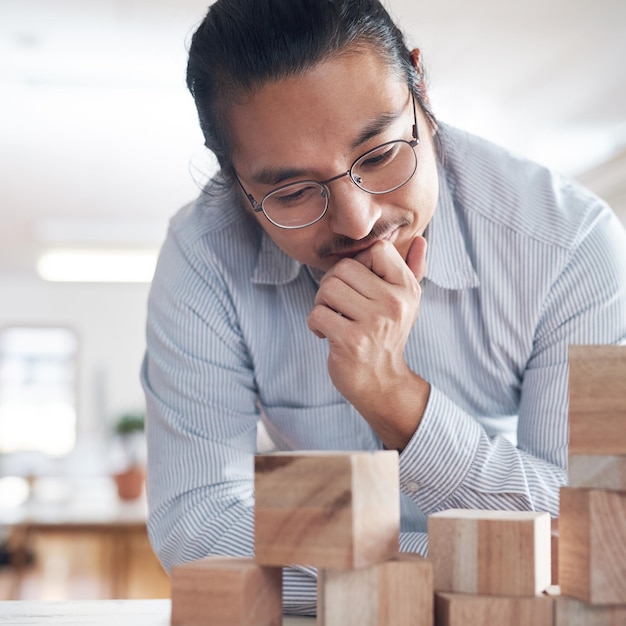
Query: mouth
[(352, 252)]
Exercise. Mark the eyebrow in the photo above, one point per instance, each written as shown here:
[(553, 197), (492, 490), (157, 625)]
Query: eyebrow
[(276, 175), (376, 127)]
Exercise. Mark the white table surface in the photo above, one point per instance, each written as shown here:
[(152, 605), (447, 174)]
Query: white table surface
[(100, 613)]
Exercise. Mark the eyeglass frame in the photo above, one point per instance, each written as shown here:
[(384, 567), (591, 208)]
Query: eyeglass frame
[(258, 207)]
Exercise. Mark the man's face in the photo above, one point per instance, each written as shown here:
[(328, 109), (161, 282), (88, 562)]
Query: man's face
[(314, 127)]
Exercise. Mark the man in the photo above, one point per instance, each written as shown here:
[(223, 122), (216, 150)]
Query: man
[(362, 277)]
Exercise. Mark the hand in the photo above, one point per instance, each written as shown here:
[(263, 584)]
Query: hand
[(366, 307)]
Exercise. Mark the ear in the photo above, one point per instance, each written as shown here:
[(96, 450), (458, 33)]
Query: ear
[(416, 61)]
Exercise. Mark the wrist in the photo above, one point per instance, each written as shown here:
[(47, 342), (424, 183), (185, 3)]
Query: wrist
[(395, 411)]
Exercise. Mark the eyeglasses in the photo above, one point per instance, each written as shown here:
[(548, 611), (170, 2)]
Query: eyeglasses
[(380, 170)]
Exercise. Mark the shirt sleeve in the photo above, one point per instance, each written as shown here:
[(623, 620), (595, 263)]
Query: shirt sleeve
[(451, 462), (201, 415), (201, 423)]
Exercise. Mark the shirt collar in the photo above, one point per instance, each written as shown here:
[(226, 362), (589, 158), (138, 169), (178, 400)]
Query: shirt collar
[(448, 263), (274, 267)]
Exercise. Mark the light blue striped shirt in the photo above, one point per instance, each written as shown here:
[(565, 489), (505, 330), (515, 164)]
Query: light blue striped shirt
[(520, 264)]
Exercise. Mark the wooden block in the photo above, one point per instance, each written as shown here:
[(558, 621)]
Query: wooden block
[(226, 591), (503, 553), (554, 551), (327, 509), (592, 545), (597, 472), (463, 609), (597, 400), (397, 592), (572, 612)]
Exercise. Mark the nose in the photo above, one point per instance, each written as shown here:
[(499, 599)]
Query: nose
[(352, 212)]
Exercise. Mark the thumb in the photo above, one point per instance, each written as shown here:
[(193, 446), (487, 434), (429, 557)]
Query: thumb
[(416, 257)]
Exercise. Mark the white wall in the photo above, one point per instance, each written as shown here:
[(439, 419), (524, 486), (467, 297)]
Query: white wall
[(110, 323)]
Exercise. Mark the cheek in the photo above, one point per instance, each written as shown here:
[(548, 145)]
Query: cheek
[(425, 192)]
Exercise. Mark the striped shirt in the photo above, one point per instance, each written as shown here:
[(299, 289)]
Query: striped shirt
[(521, 263)]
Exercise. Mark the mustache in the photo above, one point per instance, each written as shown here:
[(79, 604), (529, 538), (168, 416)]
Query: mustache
[(341, 244)]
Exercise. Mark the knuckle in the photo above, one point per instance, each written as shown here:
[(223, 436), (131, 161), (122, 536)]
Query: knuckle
[(396, 306), (415, 290), (384, 245), (331, 285)]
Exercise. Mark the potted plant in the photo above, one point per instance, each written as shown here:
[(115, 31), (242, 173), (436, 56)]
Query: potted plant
[(129, 431)]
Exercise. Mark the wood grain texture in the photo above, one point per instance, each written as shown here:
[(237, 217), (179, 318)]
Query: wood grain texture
[(461, 609), (597, 400), (588, 471), (592, 545), (328, 510), (554, 551), (397, 592), (572, 612), (504, 553), (226, 591)]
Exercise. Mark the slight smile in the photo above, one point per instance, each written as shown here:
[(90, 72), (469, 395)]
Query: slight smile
[(350, 254), (343, 247)]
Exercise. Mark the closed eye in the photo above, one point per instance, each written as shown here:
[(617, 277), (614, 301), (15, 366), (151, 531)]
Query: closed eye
[(294, 195), (379, 157)]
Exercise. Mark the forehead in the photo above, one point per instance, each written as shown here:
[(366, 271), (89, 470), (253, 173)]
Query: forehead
[(311, 119)]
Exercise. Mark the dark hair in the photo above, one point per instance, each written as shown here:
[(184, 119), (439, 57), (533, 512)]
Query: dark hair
[(243, 44)]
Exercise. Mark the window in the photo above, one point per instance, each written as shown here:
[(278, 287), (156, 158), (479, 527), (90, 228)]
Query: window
[(38, 368)]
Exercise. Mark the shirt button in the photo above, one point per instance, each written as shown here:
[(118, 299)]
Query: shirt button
[(412, 486)]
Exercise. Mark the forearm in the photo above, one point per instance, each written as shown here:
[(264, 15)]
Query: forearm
[(197, 526), (199, 533), (395, 410), (452, 463)]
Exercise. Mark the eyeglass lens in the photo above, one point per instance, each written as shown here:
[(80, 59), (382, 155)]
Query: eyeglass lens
[(379, 171)]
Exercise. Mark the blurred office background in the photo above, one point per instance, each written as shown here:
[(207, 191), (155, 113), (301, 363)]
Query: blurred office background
[(98, 147)]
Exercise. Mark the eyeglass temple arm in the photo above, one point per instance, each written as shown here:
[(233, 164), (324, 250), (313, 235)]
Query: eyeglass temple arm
[(253, 203), (415, 132)]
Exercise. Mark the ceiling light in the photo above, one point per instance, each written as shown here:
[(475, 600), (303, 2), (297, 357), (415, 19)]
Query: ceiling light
[(98, 266)]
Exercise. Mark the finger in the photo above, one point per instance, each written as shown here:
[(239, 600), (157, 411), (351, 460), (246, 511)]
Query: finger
[(347, 280), (351, 293), (384, 260), (326, 323), (416, 257)]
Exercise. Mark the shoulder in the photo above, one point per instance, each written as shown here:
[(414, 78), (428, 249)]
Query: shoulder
[(493, 185), (214, 230), (215, 214)]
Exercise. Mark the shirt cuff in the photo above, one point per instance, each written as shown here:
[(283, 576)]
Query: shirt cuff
[(439, 455)]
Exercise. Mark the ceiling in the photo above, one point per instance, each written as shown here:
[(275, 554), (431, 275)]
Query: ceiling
[(97, 130)]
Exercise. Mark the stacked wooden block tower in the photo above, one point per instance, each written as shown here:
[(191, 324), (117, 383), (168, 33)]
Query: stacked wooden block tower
[(491, 567), (338, 512), (592, 521)]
